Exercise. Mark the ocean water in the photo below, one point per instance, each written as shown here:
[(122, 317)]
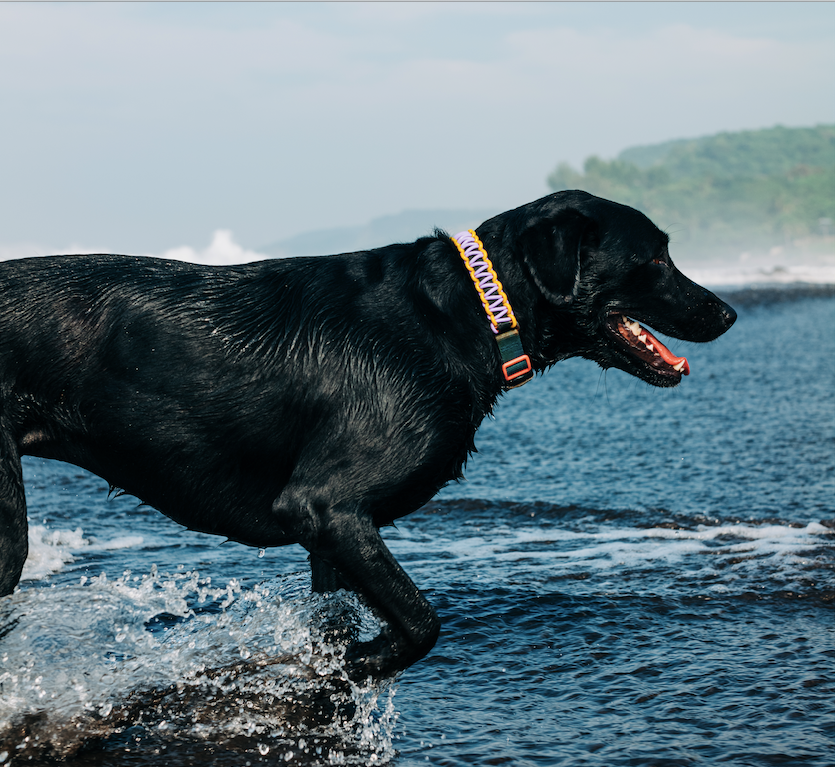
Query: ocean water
[(628, 576)]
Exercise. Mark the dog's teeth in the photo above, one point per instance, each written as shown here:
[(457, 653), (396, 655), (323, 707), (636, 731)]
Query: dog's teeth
[(643, 338), (679, 366), (650, 347), (633, 326)]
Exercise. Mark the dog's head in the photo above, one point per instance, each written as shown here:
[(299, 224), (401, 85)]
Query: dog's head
[(604, 273)]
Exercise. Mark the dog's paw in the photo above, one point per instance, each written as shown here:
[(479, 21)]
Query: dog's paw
[(377, 658), (340, 634)]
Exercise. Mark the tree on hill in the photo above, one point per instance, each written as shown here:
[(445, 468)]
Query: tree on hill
[(740, 190)]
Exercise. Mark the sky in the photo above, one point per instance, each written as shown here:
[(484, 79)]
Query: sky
[(138, 128)]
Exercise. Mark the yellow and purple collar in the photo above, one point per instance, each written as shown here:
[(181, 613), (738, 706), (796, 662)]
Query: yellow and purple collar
[(516, 365)]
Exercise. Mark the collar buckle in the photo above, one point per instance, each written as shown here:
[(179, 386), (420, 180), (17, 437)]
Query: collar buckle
[(516, 365)]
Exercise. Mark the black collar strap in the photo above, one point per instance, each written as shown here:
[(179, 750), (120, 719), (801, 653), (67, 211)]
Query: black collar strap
[(516, 365)]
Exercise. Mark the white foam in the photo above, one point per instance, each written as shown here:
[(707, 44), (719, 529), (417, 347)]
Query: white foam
[(51, 550), (122, 542), (762, 551), (774, 269)]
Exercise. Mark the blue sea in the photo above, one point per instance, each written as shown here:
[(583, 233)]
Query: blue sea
[(627, 576)]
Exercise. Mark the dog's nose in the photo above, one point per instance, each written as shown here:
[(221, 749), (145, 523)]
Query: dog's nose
[(728, 315)]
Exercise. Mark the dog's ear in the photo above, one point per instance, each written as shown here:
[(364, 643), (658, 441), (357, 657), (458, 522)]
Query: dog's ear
[(551, 249)]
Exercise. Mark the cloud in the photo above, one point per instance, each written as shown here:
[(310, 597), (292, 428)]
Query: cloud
[(222, 251)]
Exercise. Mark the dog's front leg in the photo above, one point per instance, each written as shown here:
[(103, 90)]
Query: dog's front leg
[(344, 538), (323, 578)]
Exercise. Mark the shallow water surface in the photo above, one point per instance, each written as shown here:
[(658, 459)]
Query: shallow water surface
[(629, 576)]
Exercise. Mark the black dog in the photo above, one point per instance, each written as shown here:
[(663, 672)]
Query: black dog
[(313, 400)]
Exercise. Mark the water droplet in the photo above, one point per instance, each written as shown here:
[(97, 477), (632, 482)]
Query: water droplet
[(263, 749), (261, 553)]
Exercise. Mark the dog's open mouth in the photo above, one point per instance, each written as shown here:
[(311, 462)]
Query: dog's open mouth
[(645, 346)]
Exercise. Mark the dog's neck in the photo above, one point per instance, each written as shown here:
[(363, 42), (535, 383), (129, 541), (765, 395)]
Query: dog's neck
[(516, 365)]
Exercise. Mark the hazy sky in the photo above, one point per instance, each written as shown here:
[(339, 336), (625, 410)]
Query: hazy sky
[(139, 127)]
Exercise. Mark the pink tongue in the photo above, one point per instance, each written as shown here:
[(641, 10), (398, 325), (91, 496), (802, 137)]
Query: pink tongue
[(665, 353)]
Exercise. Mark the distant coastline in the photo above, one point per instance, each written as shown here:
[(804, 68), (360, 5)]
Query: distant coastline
[(751, 207)]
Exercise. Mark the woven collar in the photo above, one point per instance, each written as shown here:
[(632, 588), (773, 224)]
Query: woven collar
[(516, 365)]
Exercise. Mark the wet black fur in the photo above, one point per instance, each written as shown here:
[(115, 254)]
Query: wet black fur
[(313, 400)]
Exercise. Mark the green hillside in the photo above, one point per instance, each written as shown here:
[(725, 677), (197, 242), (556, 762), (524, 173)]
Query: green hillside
[(731, 192)]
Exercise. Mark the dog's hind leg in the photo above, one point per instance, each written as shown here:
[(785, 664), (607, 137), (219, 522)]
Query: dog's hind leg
[(14, 539)]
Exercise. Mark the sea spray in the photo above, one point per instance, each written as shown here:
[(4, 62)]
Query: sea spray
[(167, 658)]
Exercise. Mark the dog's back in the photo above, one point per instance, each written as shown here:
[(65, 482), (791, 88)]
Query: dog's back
[(199, 389)]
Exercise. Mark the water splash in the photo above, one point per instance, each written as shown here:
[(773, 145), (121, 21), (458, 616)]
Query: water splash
[(158, 660)]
